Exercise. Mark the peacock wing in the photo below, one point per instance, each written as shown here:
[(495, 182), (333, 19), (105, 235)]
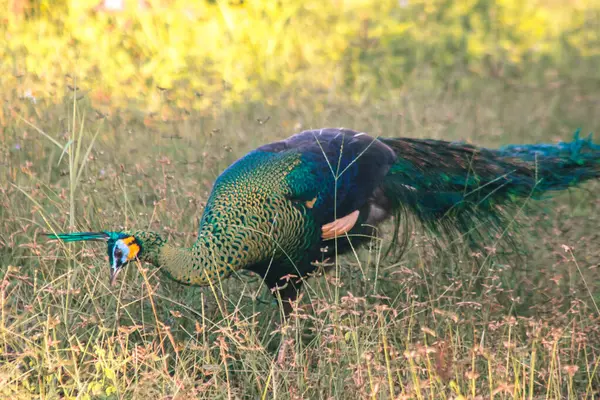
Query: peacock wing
[(339, 172)]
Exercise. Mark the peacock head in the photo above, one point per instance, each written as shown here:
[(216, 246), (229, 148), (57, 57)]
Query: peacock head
[(122, 247)]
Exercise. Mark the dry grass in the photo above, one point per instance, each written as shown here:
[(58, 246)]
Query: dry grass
[(432, 326)]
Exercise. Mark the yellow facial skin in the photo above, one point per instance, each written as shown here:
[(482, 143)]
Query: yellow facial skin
[(134, 248)]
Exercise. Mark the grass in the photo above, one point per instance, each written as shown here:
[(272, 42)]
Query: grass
[(434, 325)]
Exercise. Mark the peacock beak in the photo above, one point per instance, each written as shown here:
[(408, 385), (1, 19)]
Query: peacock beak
[(113, 276)]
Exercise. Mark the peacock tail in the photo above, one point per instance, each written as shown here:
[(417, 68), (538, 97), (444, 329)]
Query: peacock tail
[(321, 193), (458, 189)]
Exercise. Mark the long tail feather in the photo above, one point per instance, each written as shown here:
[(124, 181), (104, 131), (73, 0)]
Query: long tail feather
[(578, 151), (80, 236), (455, 188), (559, 166)]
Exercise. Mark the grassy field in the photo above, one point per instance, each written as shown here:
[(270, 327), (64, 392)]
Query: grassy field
[(434, 325)]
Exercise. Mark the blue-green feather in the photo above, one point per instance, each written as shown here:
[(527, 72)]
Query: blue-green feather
[(83, 236)]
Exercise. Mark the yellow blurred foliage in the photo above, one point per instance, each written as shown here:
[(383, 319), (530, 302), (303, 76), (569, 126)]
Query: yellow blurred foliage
[(234, 51)]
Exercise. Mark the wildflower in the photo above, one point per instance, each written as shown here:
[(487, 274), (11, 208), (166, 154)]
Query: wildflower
[(29, 96)]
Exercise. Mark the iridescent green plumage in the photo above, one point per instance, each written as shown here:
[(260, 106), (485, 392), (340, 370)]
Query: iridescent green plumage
[(267, 210)]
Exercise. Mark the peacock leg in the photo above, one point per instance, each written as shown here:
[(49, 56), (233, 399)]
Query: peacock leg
[(287, 293)]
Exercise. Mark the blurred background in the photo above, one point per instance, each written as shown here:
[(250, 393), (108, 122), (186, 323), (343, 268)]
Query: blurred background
[(234, 52), (121, 114)]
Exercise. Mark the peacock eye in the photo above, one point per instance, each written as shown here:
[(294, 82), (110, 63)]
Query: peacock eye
[(118, 253)]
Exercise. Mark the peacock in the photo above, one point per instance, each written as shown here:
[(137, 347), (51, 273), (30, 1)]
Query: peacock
[(321, 193)]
